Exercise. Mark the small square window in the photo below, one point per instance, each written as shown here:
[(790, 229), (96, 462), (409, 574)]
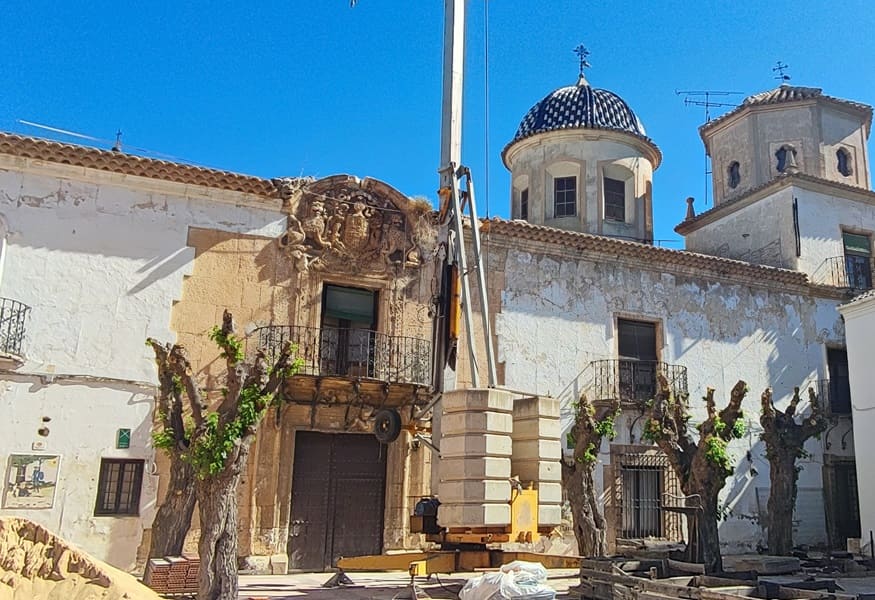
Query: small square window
[(564, 197), (615, 199), (118, 487), (524, 204)]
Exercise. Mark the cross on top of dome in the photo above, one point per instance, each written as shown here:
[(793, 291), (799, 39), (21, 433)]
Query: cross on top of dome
[(582, 53)]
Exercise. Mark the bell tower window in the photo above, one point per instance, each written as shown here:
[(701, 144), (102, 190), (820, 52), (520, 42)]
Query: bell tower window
[(843, 162), (564, 196), (786, 158), (524, 204), (733, 174)]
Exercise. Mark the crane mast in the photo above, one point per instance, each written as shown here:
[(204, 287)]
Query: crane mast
[(457, 192)]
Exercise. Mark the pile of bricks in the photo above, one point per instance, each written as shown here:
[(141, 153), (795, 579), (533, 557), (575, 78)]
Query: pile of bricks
[(172, 575)]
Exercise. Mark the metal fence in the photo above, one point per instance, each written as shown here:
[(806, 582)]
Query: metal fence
[(849, 271), (343, 352), (12, 318), (642, 482), (634, 381)]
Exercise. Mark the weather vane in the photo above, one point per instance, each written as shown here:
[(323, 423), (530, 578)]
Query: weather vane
[(582, 53), (779, 69)]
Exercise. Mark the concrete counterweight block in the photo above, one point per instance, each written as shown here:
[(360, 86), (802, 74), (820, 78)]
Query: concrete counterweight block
[(535, 407), (465, 469), (477, 400), (541, 449), (476, 445), (474, 515), (536, 470), (489, 491), (549, 493), (543, 428), (466, 422), (548, 515)]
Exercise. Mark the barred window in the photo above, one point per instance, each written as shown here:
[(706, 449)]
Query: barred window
[(118, 487)]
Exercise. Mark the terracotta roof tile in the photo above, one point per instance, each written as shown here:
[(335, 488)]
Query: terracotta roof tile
[(856, 299), (129, 164), (653, 254), (786, 94)]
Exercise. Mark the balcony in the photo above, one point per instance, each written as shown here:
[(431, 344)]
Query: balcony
[(12, 318), (633, 382), (352, 353), (834, 396), (850, 272)]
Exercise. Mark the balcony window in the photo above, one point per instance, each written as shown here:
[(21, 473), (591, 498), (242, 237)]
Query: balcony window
[(858, 260), (349, 318), (637, 365)]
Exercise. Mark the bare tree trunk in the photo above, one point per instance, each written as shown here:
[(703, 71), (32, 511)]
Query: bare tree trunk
[(589, 524), (709, 533), (173, 519), (782, 500), (217, 547)]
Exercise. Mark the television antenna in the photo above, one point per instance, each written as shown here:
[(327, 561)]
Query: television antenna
[(705, 98)]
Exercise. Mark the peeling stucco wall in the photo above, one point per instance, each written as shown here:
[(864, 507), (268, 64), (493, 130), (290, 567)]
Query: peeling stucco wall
[(100, 258), (557, 313)]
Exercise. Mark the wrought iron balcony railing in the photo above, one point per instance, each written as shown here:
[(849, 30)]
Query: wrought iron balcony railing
[(849, 271), (634, 381), (12, 319), (834, 395), (333, 351)]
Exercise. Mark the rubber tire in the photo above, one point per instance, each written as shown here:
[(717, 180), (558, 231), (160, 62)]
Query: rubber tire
[(387, 425)]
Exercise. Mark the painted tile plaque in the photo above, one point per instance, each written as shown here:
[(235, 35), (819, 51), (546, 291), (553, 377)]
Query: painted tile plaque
[(31, 480)]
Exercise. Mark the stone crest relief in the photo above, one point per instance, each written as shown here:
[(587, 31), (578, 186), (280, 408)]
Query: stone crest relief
[(349, 229)]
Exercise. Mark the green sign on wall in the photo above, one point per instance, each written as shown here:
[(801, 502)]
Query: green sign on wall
[(123, 440)]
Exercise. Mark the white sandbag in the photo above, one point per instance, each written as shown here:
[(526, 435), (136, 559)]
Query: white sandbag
[(518, 580)]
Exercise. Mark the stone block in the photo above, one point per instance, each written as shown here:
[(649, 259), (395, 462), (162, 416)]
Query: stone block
[(537, 470), (546, 428), (467, 492), (476, 422), (536, 406), (549, 493), (548, 515), (474, 399), (279, 564), (474, 515), (478, 444), (254, 564), (485, 467), (536, 450)]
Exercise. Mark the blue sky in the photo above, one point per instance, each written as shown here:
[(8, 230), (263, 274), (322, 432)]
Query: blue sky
[(317, 88)]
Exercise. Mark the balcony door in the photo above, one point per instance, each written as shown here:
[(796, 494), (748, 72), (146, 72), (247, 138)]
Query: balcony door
[(638, 362), (839, 384), (349, 322), (858, 260)]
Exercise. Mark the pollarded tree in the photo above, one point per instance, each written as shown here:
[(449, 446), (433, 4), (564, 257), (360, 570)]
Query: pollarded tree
[(219, 439), (591, 424), (173, 519), (785, 442), (702, 464)]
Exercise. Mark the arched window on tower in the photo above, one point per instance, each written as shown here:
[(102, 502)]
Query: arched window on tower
[(786, 157), (843, 162), (733, 174)]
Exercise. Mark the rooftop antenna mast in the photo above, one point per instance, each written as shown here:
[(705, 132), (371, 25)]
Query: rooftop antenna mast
[(705, 99), (779, 68)]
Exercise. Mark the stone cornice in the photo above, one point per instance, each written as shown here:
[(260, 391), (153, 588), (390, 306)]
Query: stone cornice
[(802, 180), (647, 147)]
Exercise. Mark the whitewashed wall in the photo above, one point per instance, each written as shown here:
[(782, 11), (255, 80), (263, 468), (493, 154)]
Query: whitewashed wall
[(557, 315), (860, 324), (100, 258)]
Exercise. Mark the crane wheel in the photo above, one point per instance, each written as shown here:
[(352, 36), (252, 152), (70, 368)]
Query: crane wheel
[(387, 425)]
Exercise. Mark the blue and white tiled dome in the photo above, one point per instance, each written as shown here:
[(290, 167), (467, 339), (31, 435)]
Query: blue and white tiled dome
[(579, 107)]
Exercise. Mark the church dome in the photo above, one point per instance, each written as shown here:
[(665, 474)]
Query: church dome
[(579, 107)]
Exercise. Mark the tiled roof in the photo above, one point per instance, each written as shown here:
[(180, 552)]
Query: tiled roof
[(129, 164), (785, 178), (580, 107), (653, 254), (786, 94), (857, 299)]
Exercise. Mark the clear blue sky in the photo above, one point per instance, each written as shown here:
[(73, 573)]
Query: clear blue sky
[(317, 88)]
